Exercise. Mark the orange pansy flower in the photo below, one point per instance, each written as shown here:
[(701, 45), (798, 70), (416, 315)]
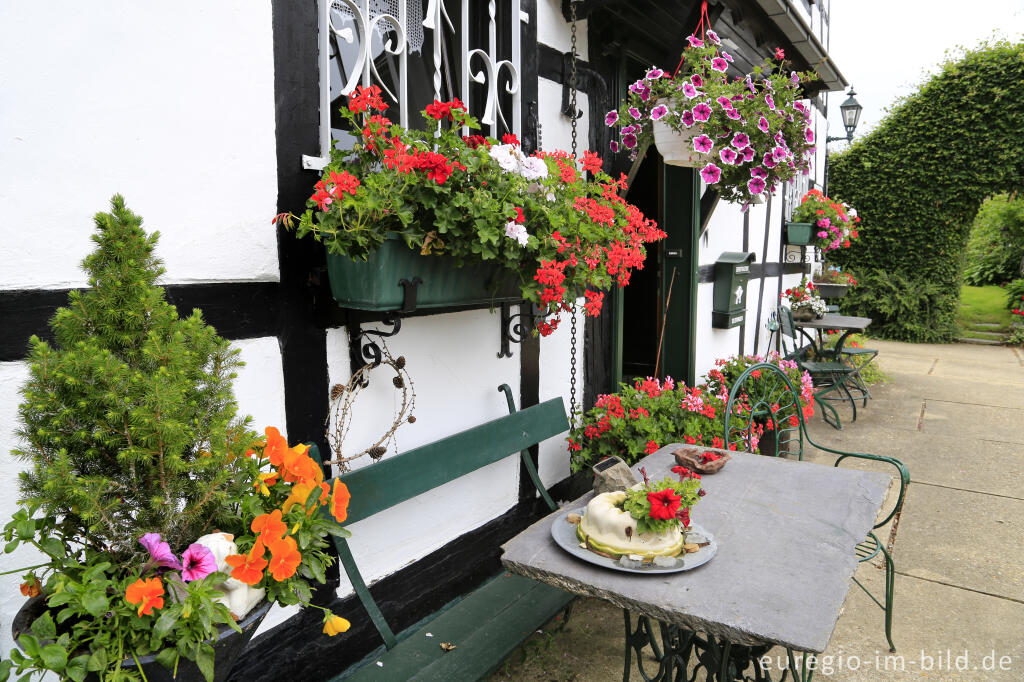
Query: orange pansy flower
[(298, 466), (325, 493), (147, 593), (269, 526), (339, 501), (276, 446), (284, 558), (265, 481), (30, 588), (248, 568), (334, 624)]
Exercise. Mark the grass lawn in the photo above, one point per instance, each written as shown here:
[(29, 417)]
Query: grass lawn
[(983, 305)]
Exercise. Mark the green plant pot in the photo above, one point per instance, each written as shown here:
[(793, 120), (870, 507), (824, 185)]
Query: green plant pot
[(832, 290), (376, 283), (799, 234)]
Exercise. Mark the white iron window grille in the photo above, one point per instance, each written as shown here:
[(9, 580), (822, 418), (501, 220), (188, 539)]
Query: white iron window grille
[(380, 42)]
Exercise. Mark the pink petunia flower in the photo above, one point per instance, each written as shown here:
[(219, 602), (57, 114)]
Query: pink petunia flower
[(713, 37), (629, 140), (611, 118), (733, 114), (762, 124), (748, 154), (725, 102), (701, 112), (159, 551), (740, 140), (614, 146), (755, 185), (768, 160), (695, 41), (703, 144), (809, 135), (770, 102), (727, 56), (711, 173), (697, 80), (634, 112), (654, 74), (687, 118), (728, 156), (658, 111), (689, 90), (719, 64), (197, 562)]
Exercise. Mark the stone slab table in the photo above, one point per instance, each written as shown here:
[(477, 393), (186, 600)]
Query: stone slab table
[(786, 533)]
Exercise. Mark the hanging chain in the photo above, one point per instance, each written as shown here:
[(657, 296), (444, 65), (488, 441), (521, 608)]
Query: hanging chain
[(574, 117)]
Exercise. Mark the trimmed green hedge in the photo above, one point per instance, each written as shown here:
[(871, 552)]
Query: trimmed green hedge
[(917, 182)]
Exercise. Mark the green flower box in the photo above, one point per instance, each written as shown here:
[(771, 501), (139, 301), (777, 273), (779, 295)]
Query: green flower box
[(832, 290), (799, 234), (375, 284)]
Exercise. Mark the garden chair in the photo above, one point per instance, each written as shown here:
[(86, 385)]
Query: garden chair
[(858, 358), (829, 375), (763, 398)]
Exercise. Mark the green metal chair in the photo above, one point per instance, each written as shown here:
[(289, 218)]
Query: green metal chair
[(829, 375), (763, 398), (858, 358)]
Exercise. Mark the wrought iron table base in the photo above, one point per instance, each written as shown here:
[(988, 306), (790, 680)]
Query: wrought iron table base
[(682, 654)]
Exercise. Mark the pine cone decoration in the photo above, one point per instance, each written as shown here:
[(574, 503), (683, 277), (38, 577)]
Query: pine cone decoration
[(376, 452), (337, 390), (398, 382)]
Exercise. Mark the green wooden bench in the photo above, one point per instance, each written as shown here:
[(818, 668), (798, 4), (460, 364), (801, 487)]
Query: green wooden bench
[(487, 624)]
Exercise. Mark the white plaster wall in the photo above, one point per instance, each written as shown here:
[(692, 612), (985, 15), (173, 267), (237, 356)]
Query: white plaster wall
[(452, 360), (555, 363), (259, 386), (554, 30), (173, 109)]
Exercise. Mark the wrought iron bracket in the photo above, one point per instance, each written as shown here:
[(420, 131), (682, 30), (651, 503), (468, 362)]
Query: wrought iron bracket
[(411, 288), (362, 349), (513, 329)]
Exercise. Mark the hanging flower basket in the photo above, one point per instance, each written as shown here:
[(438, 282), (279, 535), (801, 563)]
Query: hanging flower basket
[(832, 290), (676, 146), (799, 234), (376, 283)]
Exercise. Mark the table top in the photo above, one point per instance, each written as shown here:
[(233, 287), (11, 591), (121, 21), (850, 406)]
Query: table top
[(786, 532), (832, 321)]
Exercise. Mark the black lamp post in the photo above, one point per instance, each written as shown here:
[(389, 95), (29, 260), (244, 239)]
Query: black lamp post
[(850, 110)]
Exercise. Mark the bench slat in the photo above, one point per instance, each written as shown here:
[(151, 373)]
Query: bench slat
[(396, 479), (485, 626)]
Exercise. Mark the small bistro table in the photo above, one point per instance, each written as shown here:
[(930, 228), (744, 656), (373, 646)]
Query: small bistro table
[(786, 534), (845, 323)]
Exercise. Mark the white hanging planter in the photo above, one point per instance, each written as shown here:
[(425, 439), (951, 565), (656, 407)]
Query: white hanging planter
[(676, 146)]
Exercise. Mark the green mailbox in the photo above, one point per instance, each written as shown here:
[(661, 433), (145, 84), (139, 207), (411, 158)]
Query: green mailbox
[(732, 271)]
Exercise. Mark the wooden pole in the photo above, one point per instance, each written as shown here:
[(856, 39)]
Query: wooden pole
[(664, 320)]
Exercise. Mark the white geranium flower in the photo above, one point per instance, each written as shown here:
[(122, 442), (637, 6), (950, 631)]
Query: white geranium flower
[(506, 156), (534, 168), (514, 230)]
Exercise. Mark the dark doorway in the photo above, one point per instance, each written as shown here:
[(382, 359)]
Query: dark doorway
[(641, 308)]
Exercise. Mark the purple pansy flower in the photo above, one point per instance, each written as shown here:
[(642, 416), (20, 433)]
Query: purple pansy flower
[(658, 111), (654, 74), (689, 90), (755, 185), (160, 553), (614, 146), (697, 80), (197, 563), (740, 140), (695, 41), (728, 57), (748, 154), (728, 156), (809, 135), (703, 144), (719, 64), (634, 112), (687, 118), (768, 160), (713, 37), (611, 117), (710, 173), (770, 102), (701, 112), (629, 140), (762, 124), (758, 172)]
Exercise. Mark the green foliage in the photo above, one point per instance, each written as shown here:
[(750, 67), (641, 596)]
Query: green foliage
[(1015, 294), (918, 180), (995, 250), (904, 308), (638, 504), (128, 419)]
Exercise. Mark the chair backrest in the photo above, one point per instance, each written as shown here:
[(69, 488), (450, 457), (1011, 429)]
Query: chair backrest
[(379, 486), (764, 413), (764, 395), (788, 335)]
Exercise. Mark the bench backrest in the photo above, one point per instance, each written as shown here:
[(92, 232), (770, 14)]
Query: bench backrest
[(384, 484)]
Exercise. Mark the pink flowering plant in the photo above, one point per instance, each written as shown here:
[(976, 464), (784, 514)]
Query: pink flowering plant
[(641, 418), (557, 224), (721, 378), (754, 133), (834, 223)]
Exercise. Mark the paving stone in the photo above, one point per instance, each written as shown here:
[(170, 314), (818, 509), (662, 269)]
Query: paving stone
[(985, 422), (963, 538)]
